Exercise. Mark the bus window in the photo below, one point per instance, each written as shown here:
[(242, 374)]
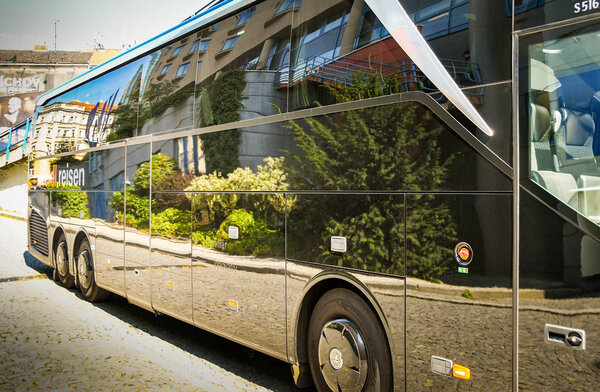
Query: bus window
[(563, 98)]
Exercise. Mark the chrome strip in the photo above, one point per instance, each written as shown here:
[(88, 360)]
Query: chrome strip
[(400, 26), (491, 84), (214, 13), (515, 213), (554, 25), (404, 256)]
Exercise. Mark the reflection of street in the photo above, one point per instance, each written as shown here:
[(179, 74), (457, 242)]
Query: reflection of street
[(546, 367), (478, 336), (50, 339)]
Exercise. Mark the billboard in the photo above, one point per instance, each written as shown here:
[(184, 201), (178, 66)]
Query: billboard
[(18, 91)]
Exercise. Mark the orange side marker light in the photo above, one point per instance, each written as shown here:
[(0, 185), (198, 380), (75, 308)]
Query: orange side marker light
[(462, 372)]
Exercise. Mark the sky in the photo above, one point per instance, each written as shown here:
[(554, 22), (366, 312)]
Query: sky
[(81, 24)]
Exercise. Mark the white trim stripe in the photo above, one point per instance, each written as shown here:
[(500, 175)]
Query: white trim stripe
[(397, 22)]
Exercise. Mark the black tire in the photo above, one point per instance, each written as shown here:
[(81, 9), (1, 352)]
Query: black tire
[(61, 263), (85, 274), (347, 348)]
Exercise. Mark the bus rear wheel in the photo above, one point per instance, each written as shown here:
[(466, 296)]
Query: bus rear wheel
[(347, 349), (61, 263), (85, 275)]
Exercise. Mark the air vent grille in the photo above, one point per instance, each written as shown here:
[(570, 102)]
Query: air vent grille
[(38, 233)]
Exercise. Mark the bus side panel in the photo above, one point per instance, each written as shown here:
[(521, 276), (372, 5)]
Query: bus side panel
[(238, 268), (385, 295), (171, 258), (459, 295), (108, 256), (137, 221), (552, 266), (356, 231)]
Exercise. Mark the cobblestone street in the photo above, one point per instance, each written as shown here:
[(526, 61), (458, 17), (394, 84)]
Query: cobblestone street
[(52, 339)]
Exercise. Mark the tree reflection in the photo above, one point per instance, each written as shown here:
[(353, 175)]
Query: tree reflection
[(393, 148)]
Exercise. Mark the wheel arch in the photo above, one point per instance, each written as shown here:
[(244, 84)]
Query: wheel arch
[(314, 290)]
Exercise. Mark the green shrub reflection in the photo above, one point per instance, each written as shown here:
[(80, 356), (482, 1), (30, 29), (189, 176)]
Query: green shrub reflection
[(259, 217), (130, 117), (72, 204)]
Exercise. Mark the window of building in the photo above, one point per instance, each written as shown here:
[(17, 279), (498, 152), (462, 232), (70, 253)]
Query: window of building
[(245, 16), (199, 64), (436, 19), (371, 29), (521, 6), (118, 181), (201, 45), (204, 45), (443, 17), (288, 4), (194, 46), (229, 44), (165, 69), (321, 42), (182, 70), (177, 51)]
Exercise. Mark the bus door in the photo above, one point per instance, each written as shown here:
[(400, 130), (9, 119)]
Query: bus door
[(559, 263)]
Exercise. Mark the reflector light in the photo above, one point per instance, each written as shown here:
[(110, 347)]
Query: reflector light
[(232, 305), (464, 253), (461, 372)]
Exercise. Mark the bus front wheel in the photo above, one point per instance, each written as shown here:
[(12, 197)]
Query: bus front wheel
[(347, 349), (85, 275)]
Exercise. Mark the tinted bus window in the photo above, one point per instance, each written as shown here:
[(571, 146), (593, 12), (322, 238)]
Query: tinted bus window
[(563, 111), (241, 61), (341, 45)]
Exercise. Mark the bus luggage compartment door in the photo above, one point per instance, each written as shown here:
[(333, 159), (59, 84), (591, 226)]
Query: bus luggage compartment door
[(458, 292)]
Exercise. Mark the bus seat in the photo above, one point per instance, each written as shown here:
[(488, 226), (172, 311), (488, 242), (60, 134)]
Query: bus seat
[(541, 130), (595, 110), (589, 198), (574, 141), (562, 185)]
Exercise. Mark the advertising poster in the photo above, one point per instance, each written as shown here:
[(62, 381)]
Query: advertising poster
[(18, 91)]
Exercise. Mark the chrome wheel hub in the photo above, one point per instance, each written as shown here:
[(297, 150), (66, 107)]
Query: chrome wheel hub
[(61, 259), (335, 358), (343, 356), (84, 269)]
